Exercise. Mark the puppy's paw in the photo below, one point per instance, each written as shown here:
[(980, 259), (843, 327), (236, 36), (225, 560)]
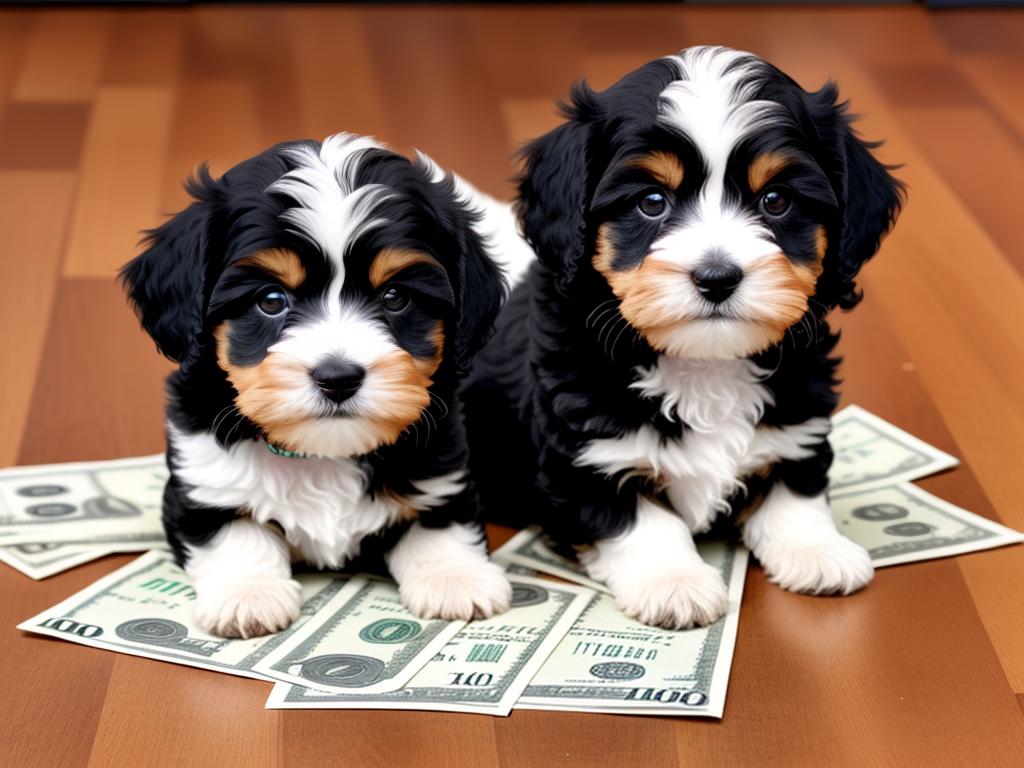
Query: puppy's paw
[(693, 595), (832, 565), (247, 608), (471, 589)]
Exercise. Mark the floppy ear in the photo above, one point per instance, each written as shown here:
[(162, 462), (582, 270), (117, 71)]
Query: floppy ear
[(165, 284), (871, 200), (554, 192), (481, 292)]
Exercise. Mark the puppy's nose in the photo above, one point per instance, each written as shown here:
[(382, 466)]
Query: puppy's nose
[(716, 281), (338, 379)]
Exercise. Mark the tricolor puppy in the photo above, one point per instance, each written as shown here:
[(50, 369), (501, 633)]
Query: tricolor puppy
[(669, 359), (321, 301)]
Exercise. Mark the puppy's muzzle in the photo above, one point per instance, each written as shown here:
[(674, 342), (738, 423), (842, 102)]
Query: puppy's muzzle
[(338, 379)]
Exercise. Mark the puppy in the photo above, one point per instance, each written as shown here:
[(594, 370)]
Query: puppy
[(321, 301), (668, 357)]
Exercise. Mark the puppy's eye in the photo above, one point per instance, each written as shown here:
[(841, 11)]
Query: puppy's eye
[(394, 299), (775, 202), (653, 204), (272, 303)]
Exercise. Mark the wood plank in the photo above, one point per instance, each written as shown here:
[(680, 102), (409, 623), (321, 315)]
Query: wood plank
[(42, 136), (99, 392), (15, 29), (35, 208), (367, 739), (145, 47), (119, 191), (65, 56), (189, 717)]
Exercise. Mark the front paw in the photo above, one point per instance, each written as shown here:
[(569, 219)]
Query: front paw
[(247, 608), (693, 595), (834, 565), (474, 589)]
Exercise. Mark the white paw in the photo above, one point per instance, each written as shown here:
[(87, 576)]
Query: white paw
[(472, 589), (827, 566), (247, 608), (693, 595)]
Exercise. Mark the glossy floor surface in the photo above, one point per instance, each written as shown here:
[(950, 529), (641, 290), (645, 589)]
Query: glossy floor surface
[(103, 113)]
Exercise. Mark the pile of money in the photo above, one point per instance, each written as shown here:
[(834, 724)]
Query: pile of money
[(561, 646), (57, 516)]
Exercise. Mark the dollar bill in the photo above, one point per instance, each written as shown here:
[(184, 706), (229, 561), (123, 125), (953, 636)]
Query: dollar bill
[(38, 561), (483, 669), (870, 452), (610, 663), (95, 502), (362, 639), (145, 609), (529, 549), (901, 523)]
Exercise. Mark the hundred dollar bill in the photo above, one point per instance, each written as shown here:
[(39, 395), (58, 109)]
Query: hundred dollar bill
[(362, 640), (610, 663), (145, 609), (901, 523), (870, 452), (93, 502), (483, 669)]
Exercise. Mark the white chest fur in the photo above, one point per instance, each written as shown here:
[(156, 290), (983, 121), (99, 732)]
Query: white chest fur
[(721, 403), (321, 504)]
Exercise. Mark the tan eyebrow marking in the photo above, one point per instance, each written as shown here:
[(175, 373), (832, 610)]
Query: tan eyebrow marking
[(390, 261), (665, 167), (764, 167), (282, 263)]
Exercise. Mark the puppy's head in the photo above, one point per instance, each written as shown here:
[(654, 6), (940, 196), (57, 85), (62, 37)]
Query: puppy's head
[(713, 195), (333, 285)]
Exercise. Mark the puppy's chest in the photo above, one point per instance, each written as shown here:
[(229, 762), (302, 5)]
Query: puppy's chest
[(322, 505), (720, 403)]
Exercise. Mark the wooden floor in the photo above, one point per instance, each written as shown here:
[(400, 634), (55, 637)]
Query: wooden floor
[(103, 113)]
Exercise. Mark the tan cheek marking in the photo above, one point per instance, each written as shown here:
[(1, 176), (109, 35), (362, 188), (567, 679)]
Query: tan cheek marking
[(791, 285), (764, 167), (820, 243), (390, 261), (665, 167), (640, 290), (283, 264), (260, 387), (404, 386), (429, 365)]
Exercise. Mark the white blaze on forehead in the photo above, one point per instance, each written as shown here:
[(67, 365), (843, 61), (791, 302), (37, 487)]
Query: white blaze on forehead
[(713, 103), (332, 210)]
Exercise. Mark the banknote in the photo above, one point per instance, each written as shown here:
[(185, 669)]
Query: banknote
[(92, 502), (40, 561), (483, 669), (870, 452), (529, 549), (362, 640), (901, 523), (145, 609), (610, 663)]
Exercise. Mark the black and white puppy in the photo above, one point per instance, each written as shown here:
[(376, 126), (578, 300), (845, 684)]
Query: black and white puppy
[(668, 357), (322, 301)]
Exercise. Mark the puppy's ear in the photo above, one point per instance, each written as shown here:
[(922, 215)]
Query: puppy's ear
[(554, 190), (481, 292), (165, 283), (870, 200)]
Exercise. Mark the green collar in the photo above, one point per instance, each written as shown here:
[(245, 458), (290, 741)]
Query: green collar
[(278, 451)]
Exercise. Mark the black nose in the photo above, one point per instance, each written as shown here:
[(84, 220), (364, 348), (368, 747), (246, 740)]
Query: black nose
[(338, 379), (716, 281)]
